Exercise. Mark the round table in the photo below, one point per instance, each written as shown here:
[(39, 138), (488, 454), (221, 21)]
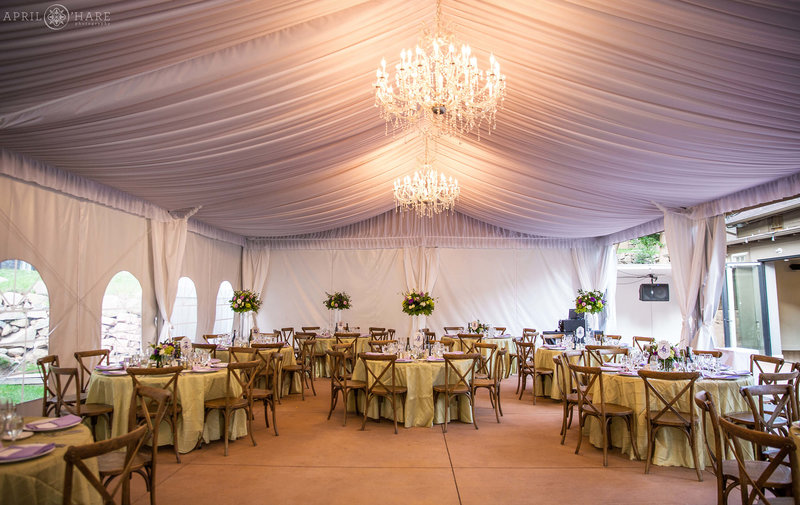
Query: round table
[(419, 410), (41, 480), (193, 390), (671, 447), (502, 342), (323, 367)]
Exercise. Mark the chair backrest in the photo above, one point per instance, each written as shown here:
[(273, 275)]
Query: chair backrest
[(715, 354), (487, 352), (287, 334), (447, 342), (272, 368), (760, 363), (217, 338), (584, 378), (45, 363), (299, 338), (708, 410), (430, 336), (468, 341), (241, 373), (524, 351), (76, 454), (240, 354), (88, 360), (211, 348), (501, 330), (605, 353), (377, 345), (381, 374), (670, 405), (157, 400), (754, 478), (390, 333), (375, 329), (64, 379), (642, 342), (269, 345), (456, 373), (452, 330), (528, 333), (551, 338), (338, 367), (262, 337), (171, 373), (309, 329), (344, 337), (307, 345), (499, 368), (775, 420)]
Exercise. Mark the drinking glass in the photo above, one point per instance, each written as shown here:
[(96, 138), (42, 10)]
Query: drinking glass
[(13, 426)]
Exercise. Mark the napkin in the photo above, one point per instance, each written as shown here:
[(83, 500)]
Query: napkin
[(57, 422), (214, 360), (202, 369), (219, 365), (403, 360), (14, 452), (114, 372), (431, 358), (115, 366)]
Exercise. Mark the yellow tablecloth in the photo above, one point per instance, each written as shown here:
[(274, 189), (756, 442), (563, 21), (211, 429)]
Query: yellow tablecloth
[(419, 377), (543, 358), (323, 367), (503, 342), (193, 390), (40, 481), (671, 446)]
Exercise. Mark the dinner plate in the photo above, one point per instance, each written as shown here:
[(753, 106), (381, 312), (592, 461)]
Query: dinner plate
[(112, 373), (214, 360), (26, 458), (22, 436), (36, 425)]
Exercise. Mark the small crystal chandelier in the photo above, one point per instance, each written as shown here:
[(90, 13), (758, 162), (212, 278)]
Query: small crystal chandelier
[(426, 193), (439, 88)]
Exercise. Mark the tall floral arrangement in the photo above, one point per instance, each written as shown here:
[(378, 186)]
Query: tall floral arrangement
[(337, 301), (589, 301), (245, 301), (164, 352), (418, 303), (667, 354)]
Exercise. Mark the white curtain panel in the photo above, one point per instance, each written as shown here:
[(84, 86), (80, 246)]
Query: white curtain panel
[(711, 290), (421, 267), (168, 241), (597, 269), (255, 268)]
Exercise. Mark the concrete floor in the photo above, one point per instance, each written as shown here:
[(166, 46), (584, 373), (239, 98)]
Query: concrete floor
[(319, 461)]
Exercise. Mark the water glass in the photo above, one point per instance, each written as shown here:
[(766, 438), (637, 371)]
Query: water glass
[(13, 426)]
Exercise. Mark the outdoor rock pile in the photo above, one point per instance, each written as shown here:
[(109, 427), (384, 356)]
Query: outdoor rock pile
[(25, 330), (122, 332)]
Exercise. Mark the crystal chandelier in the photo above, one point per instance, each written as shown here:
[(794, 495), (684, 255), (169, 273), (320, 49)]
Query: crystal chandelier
[(439, 88), (427, 193)]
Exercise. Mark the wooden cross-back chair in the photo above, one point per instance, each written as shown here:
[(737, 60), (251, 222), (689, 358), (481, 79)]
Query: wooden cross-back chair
[(602, 354), (49, 396), (375, 329), (381, 383), (527, 368), (77, 454), (287, 334), (304, 365), (341, 378), (430, 338), (468, 341), (783, 411), (584, 378), (241, 354), (211, 348), (309, 329), (667, 413), (528, 335), (748, 417), (459, 372), (297, 341), (501, 330), (86, 362), (760, 363), (215, 338), (493, 382), (549, 338), (390, 333), (112, 465), (755, 480), (377, 345), (65, 378), (149, 409), (238, 396), (271, 369), (642, 342), (613, 339), (348, 343), (713, 354), (567, 390), (487, 353), (263, 352), (453, 330), (449, 343)]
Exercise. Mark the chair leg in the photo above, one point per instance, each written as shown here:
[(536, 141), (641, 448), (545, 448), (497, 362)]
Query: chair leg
[(334, 398), (690, 433), (472, 404), (533, 387), (492, 393), (345, 394), (581, 421), (633, 433), (249, 411), (312, 383), (274, 415), (650, 446), (394, 411), (606, 427), (225, 432), (564, 422), (499, 405), (303, 384), (366, 409), (175, 438), (446, 410)]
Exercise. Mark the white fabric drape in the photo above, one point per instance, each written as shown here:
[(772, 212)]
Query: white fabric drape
[(597, 269), (255, 269), (697, 255), (262, 112), (168, 241), (421, 266)]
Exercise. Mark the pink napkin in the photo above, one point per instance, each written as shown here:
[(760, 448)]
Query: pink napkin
[(114, 372), (403, 360), (219, 365), (14, 452), (114, 366), (214, 360), (431, 358), (59, 422), (197, 368)]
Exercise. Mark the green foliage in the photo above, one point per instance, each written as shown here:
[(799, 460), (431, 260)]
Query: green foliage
[(14, 392), (647, 248), (25, 279)]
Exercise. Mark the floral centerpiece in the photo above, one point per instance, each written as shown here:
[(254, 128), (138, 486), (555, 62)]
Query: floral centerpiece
[(164, 351), (245, 301), (665, 353), (477, 326), (589, 301), (337, 301), (417, 303)]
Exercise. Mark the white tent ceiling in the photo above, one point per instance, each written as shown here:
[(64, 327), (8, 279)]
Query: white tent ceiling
[(262, 112)]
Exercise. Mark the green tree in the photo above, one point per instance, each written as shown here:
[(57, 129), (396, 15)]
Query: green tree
[(647, 248)]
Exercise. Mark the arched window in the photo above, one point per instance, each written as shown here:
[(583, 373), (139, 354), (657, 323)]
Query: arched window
[(224, 320), (24, 330), (121, 326), (184, 313)]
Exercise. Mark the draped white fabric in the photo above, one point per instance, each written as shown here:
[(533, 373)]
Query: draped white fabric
[(262, 112), (168, 241), (597, 269), (421, 266), (697, 254), (255, 267)]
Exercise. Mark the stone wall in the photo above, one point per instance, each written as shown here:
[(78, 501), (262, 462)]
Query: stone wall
[(122, 332), (24, 329)]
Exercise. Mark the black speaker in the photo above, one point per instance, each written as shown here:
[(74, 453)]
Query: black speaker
[(654, 292)]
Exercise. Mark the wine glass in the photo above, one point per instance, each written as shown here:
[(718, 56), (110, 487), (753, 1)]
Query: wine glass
[(13, 426)]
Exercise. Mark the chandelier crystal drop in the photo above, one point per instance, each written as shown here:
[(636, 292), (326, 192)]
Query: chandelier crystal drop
[(427, 192), (439, 88)]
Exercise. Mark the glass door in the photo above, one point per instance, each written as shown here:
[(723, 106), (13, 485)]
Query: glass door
[(744, 307)]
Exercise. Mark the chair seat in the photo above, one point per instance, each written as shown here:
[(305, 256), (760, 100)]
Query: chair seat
[(221, 403), (670, 418), (544, 371), (611, 409), (745, 418), (260, 393), (70, 398), (781, 477), (292, 368), (95, 409), (453, 390), (356, 384), (388, 390), (112, 463), (140, 411), (483, 382)]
